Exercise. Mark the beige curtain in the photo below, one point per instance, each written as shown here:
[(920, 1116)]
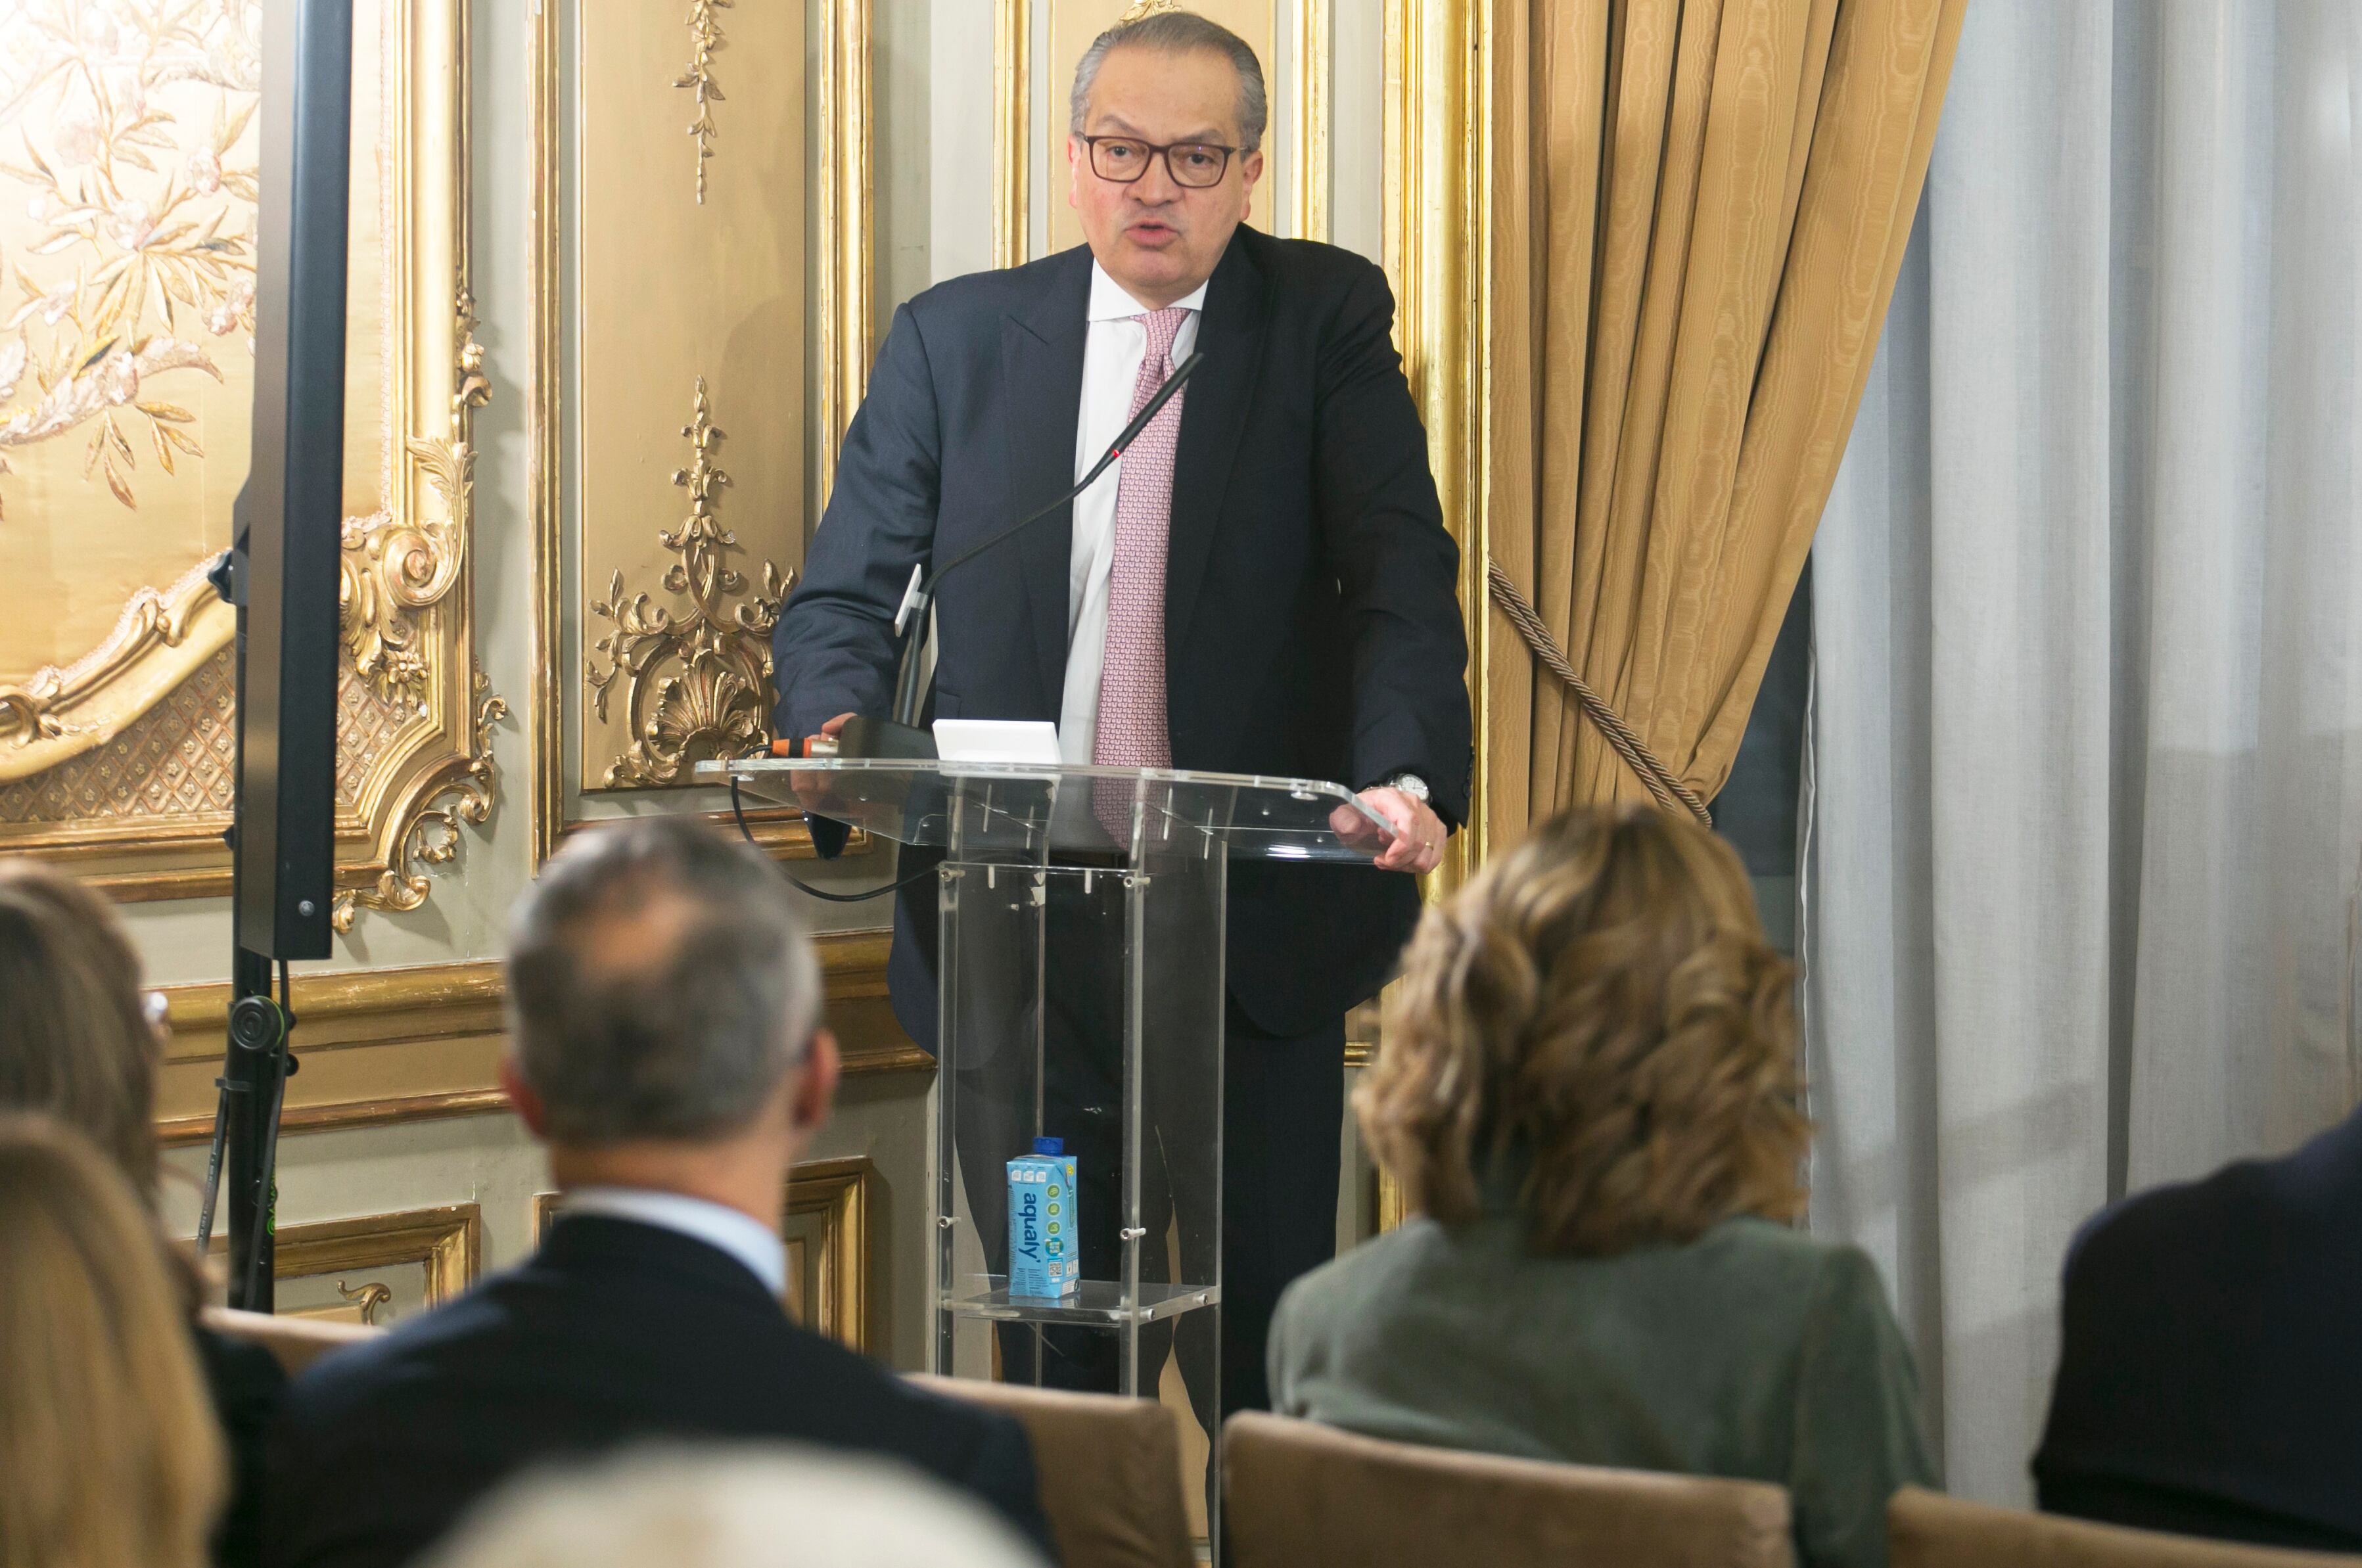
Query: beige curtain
[(1700, 206)]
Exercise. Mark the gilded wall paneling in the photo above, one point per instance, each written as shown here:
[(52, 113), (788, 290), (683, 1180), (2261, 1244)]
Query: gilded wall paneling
[(696, 683), (1313, 59), (390, 1045), (1438, 225), (139, 295), (672, 227), (1012, 98), (826, 1231), (375, 1268), (846, 217)]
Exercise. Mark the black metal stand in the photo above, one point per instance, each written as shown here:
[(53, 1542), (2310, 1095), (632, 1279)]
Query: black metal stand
[(257, 1062), (280, 576)]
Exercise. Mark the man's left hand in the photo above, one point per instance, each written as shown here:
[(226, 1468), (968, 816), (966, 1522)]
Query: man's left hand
[(1417, 843)]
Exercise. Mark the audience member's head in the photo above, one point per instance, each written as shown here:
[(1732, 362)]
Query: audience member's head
[(1597, 1020), (665, 1006), (76, 1039), (738, 1508), (109, 1454)]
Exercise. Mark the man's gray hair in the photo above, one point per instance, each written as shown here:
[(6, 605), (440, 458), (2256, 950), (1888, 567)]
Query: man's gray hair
[(1177, 32), (660, 984)]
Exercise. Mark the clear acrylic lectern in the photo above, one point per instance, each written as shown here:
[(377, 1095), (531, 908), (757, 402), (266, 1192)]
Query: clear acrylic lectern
[(1081, 998)]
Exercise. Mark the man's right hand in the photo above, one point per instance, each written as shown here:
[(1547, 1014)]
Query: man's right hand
[(811, 788), (828, 731)]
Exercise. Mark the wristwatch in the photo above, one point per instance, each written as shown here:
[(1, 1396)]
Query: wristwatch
[(1410, 784)]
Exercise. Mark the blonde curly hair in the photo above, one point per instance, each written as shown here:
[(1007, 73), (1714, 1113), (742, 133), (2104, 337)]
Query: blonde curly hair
[(1598, 1011)]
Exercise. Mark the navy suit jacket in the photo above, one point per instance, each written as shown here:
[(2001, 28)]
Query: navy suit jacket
[(1312, 623), (614, 1332), (2210, 1375)]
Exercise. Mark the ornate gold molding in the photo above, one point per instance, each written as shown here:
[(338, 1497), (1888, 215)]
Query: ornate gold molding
[(40, 721), (396, 568), (846, 324), (705, 40), (361, 1303), (447, 1242), (412, 712), (428, 830), (1439, 233), (1012, 98), (423, 1042), (842, 289), (827, 1233), (701, 685), (545, 372), (1314, 55)]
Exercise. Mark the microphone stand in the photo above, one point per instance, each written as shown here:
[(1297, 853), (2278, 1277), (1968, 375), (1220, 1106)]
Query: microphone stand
[(902, 737)]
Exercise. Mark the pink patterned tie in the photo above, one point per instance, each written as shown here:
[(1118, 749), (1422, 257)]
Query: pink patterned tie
[(1132, 679)]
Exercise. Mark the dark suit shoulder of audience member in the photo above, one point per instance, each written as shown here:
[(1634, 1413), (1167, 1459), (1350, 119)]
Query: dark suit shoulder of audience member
[(614, 1332), (1597, 1025), (247, 1383), (2209, 1373)]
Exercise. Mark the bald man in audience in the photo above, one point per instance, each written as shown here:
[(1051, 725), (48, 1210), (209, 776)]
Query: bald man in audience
[(664, 1007)]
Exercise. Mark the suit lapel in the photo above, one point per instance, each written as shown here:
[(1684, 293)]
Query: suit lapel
[(1213, 421), (1041, 399)]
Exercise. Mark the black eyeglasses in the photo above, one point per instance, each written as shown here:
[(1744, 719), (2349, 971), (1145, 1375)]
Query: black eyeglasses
[(1192, 164)]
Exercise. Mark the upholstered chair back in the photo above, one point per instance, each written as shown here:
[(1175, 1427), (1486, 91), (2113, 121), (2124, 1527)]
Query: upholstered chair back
[(1304, 1496), (1927, 1529), (1110, 1472)]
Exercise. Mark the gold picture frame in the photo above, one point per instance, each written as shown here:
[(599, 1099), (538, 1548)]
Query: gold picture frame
[(118, 766), (826, 1229), (446, 1243)]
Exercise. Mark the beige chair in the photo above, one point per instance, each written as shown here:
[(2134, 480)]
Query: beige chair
[(1298, 1495), (1110, 1470), (1927, 1529), (297, 1342)]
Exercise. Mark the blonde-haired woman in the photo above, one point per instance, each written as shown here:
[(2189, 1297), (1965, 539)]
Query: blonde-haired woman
[(1587, 1090), (109, 1456), (79, 1043)]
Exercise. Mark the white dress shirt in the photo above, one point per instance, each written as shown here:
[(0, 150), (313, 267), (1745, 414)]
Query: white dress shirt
[(1112, 356), (742, 1236)]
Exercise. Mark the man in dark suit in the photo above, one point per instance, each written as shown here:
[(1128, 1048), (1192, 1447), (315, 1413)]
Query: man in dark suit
[(2209, 1375), (1264, 584), (664, 1007)]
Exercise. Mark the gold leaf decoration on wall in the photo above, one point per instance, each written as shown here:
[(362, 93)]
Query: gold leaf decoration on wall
[(430, 836), (392, 569), (705, 41), (151, 619), (698, 685)]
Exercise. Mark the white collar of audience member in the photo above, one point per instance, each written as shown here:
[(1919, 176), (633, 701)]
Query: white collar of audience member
[(1110, 303), (726, 1230)]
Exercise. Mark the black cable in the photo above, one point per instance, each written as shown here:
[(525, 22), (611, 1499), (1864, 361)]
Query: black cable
[(804, 886)]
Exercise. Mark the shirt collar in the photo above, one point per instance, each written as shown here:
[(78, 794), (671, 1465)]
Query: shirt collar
[(1111, 302), (725, 1229)]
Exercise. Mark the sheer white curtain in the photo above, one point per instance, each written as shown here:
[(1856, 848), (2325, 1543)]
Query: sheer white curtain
[(2085, 792)]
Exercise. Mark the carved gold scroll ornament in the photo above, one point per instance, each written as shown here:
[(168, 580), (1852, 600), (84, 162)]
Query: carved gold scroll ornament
[(697, 685)]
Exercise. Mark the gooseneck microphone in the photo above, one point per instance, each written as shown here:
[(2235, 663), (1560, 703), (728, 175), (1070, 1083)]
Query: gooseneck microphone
[(902, 737)]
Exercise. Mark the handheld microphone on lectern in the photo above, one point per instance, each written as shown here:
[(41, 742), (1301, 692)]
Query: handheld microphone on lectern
[(900, 737)]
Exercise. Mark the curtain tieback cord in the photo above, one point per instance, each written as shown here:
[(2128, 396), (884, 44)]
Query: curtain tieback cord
[(1667, 791)]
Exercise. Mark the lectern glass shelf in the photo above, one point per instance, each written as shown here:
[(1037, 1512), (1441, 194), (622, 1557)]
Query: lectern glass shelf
[(1081, 997)]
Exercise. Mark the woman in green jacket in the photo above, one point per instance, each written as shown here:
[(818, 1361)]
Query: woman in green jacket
[(1588, 1091)]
